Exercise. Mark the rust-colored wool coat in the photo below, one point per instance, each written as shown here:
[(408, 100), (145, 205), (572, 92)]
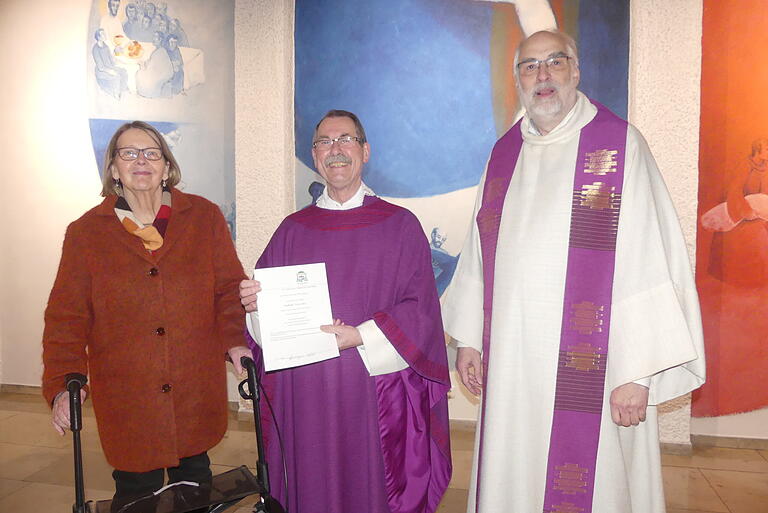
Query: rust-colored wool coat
[(150, 330)]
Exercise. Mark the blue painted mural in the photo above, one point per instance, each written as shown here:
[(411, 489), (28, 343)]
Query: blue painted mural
[(432, 83)]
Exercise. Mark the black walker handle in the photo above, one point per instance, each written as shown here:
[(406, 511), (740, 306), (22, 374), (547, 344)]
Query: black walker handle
[(268, 503), (74, 383), (252, 394)]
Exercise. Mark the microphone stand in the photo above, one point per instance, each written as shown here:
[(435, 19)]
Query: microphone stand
[(267, 503)]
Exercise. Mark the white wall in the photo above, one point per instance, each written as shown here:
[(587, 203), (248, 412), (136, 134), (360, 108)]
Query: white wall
[(264, 146), (48, 172), (743, 425), (664, 105), (264, 113)]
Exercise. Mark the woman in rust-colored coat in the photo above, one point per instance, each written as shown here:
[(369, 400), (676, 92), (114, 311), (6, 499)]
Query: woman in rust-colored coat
[(146, 303)]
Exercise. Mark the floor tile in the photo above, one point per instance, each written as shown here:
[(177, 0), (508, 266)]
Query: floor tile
[(31, 429), (97, 473), (462, 469), (462, 440), (41, 497), (36, 466), (220, 469), (719, 458), (742, 492), (8, 486), (23, 402), (4, 414), (454, 501), (20, 461), (236, 448), (241, 424), (676, 510), (687, 488)]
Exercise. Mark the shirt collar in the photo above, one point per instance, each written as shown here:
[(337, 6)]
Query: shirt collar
[(328, 203)]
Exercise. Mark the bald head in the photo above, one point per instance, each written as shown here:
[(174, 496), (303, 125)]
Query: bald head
[(547, 74), (566, 40)]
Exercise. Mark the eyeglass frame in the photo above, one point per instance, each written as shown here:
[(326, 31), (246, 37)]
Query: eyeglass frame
[(538, 62), (338, 139), (140, 150)]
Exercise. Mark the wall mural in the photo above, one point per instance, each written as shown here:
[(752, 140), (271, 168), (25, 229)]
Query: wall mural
[(732, 241), (170, 64), (432, 82)]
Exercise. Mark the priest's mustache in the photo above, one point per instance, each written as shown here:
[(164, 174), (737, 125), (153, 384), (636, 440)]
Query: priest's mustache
[(332, 159)]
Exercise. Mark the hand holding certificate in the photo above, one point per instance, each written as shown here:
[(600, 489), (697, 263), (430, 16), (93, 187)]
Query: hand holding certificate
[(293, 303)]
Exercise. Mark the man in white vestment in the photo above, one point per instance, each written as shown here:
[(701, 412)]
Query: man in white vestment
[(654, 343)]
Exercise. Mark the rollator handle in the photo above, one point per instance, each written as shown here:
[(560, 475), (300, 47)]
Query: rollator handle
[(75, 381), (248, 364), (268, 503)]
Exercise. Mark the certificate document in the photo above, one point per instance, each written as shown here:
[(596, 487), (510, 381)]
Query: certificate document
[(293, 303)]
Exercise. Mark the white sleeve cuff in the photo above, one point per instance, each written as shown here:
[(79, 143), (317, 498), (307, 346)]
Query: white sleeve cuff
[(377, 352), (646, 382), (254, 328), (459, 343)]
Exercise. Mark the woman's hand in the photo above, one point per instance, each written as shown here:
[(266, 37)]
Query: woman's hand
[(237, 352), (60, 411)]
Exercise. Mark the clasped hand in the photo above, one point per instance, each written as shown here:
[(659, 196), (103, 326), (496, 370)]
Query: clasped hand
[(628, 404)]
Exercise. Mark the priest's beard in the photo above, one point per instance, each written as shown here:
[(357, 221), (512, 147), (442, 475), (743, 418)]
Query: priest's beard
[(546, 108)]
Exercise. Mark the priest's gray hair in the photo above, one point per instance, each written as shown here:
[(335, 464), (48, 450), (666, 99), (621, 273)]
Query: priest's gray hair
[(570, 45), (338, 113)]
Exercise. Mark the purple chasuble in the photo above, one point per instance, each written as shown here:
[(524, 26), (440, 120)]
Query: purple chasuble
[(356, 443), (585, 326)]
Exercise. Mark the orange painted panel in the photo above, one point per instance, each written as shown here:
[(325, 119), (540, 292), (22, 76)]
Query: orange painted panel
[(732, 241)]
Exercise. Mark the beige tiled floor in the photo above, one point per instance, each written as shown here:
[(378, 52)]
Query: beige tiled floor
[(36, 467)]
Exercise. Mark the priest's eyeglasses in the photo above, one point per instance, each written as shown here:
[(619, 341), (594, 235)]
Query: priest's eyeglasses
[(345, 141), (133, 153), (554, 63)]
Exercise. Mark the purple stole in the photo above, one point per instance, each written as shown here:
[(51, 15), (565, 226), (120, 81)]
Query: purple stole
[(580, 386)]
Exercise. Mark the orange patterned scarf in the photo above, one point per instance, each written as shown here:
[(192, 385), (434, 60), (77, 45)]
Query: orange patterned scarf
[(151, 235)]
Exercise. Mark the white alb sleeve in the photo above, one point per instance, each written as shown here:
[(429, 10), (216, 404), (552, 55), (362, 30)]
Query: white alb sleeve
[(378, 353), (252, 322)]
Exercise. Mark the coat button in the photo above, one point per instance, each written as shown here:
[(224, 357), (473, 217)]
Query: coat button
[(166, 388), (153, 272), (160, 331)]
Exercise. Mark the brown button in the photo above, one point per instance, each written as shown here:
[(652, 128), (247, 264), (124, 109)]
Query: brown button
[(160, 331), (166, 388), (153, 272)]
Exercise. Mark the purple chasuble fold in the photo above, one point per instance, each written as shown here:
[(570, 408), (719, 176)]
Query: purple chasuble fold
[(354, 442), (585, 326)]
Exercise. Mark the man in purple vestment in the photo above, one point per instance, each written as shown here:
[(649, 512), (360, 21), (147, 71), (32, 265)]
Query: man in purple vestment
[(366, 432)]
